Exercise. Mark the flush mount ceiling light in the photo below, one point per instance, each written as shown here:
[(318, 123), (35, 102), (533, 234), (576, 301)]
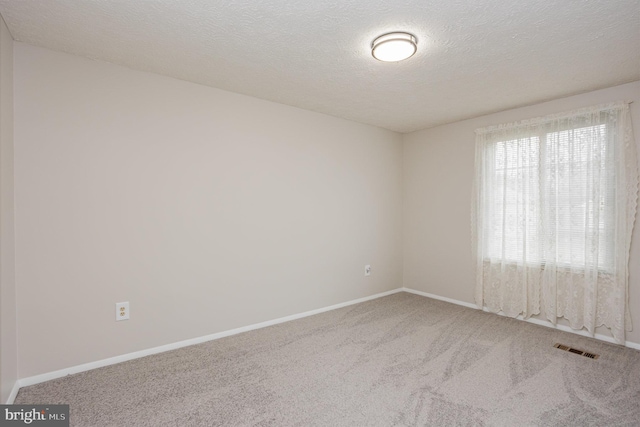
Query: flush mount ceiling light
[(393, 47)]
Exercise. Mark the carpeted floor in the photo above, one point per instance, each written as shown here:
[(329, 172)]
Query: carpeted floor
[(399, 360)]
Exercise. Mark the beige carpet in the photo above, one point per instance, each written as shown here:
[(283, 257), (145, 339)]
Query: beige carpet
[(399, 360)]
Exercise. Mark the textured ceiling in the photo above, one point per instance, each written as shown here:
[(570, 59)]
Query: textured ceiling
[(474, 57)]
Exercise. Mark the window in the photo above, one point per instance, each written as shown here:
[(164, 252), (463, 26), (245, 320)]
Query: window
[(553, 212), (563, 166)]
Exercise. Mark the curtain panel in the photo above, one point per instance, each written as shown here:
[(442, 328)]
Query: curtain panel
[(554, 204)]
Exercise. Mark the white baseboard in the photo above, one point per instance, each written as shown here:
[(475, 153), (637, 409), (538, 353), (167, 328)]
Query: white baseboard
[(438, 297), (36, 379), (540, 322), (14, 393)]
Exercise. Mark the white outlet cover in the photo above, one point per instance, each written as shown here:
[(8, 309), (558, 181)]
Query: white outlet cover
[(122, 311), (367, 270)]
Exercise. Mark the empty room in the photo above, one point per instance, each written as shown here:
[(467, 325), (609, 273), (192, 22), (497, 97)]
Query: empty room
[(357, 213)]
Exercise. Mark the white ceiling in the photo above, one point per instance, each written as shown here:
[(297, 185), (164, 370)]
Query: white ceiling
[(474, 56)]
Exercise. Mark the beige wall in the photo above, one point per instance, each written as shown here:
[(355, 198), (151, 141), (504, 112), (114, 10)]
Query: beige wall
[(8, 339), (207, 210), (438, 172)]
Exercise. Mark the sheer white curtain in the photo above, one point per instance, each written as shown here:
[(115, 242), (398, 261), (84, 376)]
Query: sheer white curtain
[(554, 207)]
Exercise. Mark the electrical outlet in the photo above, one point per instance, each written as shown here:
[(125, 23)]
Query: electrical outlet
[(367, 270), (122, 310)]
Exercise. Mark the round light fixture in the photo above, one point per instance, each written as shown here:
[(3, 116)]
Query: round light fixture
[(393, 47)]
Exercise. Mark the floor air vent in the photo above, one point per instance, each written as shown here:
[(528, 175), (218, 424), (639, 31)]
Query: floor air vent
[(576, 351)]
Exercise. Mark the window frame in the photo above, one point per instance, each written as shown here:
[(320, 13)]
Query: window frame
[(606, 264)]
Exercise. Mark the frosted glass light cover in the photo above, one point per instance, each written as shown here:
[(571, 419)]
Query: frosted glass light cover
[(394, 47)]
